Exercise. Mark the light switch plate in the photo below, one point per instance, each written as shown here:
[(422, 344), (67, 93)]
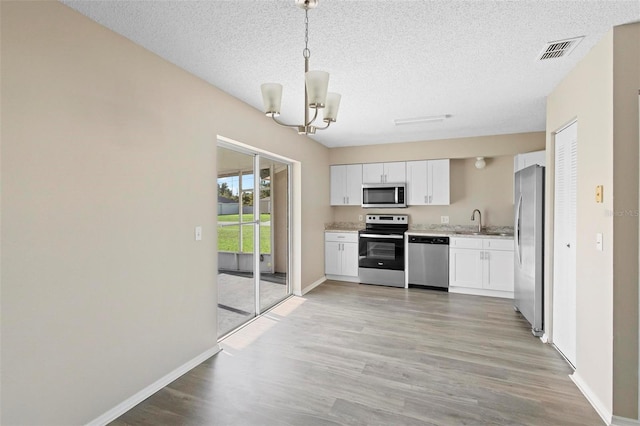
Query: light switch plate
[(198, 233), (444, 219), (599, 241)]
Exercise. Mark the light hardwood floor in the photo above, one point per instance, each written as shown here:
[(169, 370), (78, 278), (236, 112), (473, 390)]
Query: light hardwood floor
[(359, 354)]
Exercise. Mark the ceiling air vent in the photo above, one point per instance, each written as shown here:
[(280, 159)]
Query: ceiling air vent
[(559, 48)]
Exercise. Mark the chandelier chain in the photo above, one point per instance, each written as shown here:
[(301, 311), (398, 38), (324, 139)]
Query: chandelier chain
[(306, 52)]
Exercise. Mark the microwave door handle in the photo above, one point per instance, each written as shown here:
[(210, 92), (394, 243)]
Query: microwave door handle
[(396, 192)]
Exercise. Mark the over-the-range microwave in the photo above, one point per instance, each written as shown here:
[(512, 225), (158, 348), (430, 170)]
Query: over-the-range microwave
[(381, 195)]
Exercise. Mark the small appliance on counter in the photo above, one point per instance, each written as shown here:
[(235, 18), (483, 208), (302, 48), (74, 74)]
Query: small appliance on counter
[(381, 249)]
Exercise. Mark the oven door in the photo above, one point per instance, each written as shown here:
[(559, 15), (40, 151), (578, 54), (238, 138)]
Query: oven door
[(381, 251)]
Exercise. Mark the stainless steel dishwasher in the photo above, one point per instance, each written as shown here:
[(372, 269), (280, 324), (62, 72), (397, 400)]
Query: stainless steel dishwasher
[(429, 262)]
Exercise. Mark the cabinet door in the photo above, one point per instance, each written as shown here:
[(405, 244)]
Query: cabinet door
[(353, 184), (395, 172), (350, 259), (332, 258), (338, 185), (498, 270), (527, 159), (417, 183), (438, 182), (465, 268), (372, 173)]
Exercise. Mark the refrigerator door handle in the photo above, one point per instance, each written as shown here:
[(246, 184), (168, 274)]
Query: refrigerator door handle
[(517, 230)]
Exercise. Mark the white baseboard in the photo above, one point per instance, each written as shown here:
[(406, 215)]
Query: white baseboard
[(624, 421), (598, 405), (481, 292), (145, 393), (312, 286), (343, 278)]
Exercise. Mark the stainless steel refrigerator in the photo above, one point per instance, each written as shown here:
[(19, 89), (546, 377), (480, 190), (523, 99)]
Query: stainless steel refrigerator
[(529, 245)]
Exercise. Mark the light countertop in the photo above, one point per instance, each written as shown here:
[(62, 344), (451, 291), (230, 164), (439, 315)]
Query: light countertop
[(499, 232)]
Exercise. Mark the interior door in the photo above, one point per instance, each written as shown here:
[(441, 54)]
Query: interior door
[(564, 269)]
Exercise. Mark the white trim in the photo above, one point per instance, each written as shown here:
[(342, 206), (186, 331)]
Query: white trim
[(624, 421), (481, 292), (145, 393), (312, 286), (544, 338), (343, 278), (595, 402)]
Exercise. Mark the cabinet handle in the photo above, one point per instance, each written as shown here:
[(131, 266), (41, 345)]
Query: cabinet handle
[(425, 199), (481, 255), (486, 255), (430, 198), (347, 199)]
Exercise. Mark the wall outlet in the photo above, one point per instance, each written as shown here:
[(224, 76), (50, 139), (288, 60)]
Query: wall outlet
[(360, 217), (444, 219)]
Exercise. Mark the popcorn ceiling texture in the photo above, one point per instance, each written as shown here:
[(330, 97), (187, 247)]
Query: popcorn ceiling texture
[(388, 59)]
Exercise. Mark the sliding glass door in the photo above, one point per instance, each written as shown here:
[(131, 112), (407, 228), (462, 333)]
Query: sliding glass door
[(274, 232), (253, 235)]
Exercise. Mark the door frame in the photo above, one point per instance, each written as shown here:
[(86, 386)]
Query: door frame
[(549, 248), (294, 207)]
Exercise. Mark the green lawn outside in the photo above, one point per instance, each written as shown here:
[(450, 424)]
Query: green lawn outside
[(264, 217), (228, 238)]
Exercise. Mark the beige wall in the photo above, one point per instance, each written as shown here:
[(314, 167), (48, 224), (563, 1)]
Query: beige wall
[(626, 86), (480, 146), (489, 189), (607, 282), (108, 163)]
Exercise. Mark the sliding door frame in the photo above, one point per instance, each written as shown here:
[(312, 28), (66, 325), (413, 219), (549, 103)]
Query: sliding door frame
[(257, 156)]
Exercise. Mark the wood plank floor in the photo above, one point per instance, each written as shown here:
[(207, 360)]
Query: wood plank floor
[(349, 354)]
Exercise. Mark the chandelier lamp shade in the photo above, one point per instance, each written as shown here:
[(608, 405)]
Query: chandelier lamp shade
[(316, 96)]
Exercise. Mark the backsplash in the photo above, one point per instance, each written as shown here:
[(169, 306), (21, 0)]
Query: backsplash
[(459, 228), (356, 226)]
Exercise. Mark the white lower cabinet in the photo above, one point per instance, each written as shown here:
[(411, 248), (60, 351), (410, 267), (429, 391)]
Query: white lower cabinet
[(482, 266), (341, 255)]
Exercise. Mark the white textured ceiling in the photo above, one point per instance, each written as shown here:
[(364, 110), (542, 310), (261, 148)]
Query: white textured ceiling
[(474, 60)]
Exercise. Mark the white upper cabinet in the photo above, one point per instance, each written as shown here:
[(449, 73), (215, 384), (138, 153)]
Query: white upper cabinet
[(384, 172), (428, 182), (522, 161), (346, 185)]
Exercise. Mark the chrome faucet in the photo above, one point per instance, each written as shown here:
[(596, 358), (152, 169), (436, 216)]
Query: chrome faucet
[(473, 217)]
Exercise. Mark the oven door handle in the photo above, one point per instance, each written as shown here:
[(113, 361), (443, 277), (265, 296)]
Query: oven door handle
[(391, 237)]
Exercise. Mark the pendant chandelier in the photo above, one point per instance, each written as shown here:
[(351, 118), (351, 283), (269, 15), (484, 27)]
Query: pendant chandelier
[(315, 94)]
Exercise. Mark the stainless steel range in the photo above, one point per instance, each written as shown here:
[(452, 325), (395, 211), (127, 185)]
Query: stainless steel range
[(381, 249)]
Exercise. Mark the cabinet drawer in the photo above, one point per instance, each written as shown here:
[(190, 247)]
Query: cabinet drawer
[(470, 243), (497, 244), (342, 237)]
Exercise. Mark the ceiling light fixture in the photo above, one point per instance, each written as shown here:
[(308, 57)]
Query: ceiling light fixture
[(315, 93), (480, 163), (418, 120)]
